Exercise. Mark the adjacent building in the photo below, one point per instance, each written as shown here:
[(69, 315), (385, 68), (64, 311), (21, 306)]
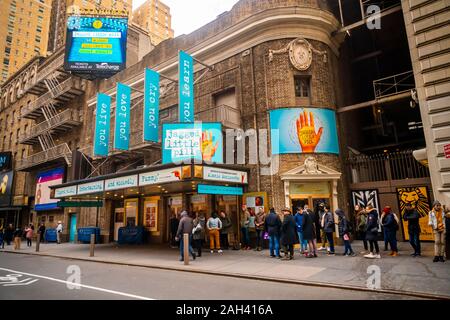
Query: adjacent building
[(154, 16), (24, 33)]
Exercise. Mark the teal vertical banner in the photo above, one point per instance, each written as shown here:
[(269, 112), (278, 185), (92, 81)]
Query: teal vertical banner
[(102, 122), (186, 87), (122, 121), (151, 106)]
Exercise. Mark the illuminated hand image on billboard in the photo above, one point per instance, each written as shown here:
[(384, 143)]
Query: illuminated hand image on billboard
[(96, 44)]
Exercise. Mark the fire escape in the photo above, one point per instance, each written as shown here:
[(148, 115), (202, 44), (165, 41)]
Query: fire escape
[(55, 88)]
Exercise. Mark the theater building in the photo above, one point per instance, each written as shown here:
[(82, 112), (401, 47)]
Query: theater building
[(323, 105)]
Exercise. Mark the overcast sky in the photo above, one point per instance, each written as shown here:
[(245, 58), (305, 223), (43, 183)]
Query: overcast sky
[(189, 15)]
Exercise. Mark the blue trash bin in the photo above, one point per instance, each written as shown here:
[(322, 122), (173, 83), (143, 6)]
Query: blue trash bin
[(50, 235), (84, 234)]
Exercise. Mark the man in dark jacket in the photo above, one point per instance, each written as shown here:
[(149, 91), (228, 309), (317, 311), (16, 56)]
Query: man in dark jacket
[(9, 232), (41, 232), (186, 225), (412, 216), (288, 234), (272, 226), (226, 229), (328, 228)]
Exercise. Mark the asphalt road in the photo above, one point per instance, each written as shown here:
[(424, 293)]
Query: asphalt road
[(28, 277)]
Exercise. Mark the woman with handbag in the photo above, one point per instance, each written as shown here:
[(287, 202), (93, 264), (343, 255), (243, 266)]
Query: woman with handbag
[(436, 219), (372, 233)]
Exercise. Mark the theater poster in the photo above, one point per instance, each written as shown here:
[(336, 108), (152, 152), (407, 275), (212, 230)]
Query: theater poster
[(151, 214), (420, 200)]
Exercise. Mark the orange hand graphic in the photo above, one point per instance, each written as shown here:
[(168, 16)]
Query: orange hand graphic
[(208, 147), (306, 133)]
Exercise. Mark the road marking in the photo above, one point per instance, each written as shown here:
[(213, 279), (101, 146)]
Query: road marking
[(81, 285), (12, 280)]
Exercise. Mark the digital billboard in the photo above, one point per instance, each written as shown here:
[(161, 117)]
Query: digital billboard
[(303, 130), (44, 181), (96, 44), (197, 141), (6, 180)]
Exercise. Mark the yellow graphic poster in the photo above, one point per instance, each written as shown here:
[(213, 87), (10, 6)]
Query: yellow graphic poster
[(418, 197)]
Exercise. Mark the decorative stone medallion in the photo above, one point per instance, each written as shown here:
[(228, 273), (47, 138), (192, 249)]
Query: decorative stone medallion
[(300, 54)]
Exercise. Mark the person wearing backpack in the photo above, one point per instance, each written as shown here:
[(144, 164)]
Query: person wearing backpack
[(361, 225), (345, 229), (390, 224)]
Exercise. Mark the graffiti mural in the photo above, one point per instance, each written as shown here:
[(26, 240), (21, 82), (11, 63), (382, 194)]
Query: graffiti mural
[(419, 199)]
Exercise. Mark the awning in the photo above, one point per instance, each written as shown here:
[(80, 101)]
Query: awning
[(421, 156), (10, 208)]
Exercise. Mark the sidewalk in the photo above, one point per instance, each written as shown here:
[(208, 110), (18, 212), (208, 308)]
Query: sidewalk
[(402, 274)]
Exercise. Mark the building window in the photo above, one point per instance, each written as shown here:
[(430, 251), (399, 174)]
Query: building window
[(302, 89)]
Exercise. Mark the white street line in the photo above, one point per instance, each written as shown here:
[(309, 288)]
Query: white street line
[(81, 285), (21, 284)]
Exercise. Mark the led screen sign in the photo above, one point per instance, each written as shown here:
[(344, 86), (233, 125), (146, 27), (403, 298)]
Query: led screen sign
[(96, 44)]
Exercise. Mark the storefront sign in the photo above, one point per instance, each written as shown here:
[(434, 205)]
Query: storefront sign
[(447, 151), (198, 198), (6, 180), (418, 198), (225, 175), (5, 160), (175, 201), (192, 141), (91, 187), (65, 192), (121, 183), (304, 130), (210, 189), (186, 87), (122, 121), (151, 106), (43, 200), (309, 188), (102, 120), (161, 176), (80, 204)]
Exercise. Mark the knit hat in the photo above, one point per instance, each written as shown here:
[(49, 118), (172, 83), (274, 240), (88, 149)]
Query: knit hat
[(387, 209), (435, 203), (340, 212)]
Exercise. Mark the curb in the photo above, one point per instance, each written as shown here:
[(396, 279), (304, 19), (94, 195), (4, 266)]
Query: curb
[(250, 277)]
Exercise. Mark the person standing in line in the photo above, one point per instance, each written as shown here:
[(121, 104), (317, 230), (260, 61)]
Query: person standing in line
[(344, 232), (244, 221), (251, 227), (59, 230), (299, 216), (436, 219), (288, 234), (323, 235), (174, 222), (273, 226), (328, 225), (186, 225), (9, 234), (2, 237), (260, 220), (17, 238), (447, 231), (309, 233), (41, 232), (390, 225), (361, 225), (412, 217), (29, 235), (198, 233), (214, 225), (226, 228), (372, 233)]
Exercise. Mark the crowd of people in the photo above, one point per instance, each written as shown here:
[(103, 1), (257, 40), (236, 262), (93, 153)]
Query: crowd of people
[(305, 228), (9, 234)]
